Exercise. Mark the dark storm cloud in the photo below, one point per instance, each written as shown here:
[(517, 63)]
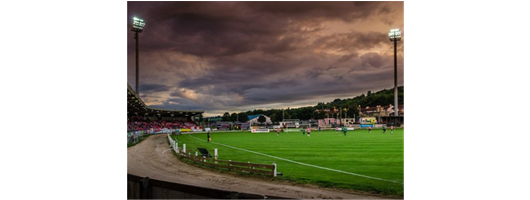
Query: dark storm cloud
[(346, 11), (351, 42), (154, 88), (210, 29), (228, 28), (220, 56), (346, 58), (251, 70), (373, 59), (181, 104)]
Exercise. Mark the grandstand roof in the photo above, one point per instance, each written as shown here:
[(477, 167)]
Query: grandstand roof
[(135, 106), (250, 117)]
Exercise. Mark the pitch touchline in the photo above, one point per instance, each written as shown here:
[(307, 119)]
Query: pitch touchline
[(310, 165)]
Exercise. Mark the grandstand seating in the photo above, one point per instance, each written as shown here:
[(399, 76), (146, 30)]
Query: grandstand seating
[(157, 125)]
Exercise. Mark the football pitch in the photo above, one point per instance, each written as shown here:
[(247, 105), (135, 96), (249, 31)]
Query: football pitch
[(371, 162)]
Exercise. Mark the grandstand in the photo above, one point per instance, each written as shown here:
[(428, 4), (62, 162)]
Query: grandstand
[(142, 117), (253, 119)]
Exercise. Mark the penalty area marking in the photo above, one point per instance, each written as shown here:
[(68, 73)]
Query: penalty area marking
[(300, 163)]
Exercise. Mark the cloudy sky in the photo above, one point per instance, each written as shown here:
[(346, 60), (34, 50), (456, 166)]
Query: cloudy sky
[(239, 56)]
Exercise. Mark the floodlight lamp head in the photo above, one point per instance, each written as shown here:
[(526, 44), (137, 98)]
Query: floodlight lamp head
[(394, 35), (138, 25)]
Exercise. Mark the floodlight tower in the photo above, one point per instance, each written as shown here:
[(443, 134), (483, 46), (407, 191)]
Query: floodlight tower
[(395, 35), (138, 27)]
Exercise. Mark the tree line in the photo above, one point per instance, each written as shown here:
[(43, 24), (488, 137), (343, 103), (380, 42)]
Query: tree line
[(349, 107)]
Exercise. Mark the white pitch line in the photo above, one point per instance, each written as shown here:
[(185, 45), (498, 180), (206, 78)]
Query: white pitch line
[(310, 165)]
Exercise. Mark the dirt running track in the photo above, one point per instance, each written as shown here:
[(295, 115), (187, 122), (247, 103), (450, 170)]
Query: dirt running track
[(150, 158)]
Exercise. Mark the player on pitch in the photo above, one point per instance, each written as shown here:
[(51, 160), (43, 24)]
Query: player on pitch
[(392, 129), (369, 129), (384, 128), (309, 132)]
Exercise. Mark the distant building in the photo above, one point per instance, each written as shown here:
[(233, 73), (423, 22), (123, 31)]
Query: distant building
[(380, 111), (384, 114)]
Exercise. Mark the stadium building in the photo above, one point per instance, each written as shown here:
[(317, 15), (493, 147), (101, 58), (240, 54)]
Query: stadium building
[(253, 119), (142, 117)]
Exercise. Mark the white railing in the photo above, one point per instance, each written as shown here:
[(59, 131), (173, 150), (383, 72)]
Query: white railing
[(238, 166), (173, 143)]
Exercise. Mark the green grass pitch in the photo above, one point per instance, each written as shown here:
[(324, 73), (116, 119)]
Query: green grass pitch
[(373, 154)]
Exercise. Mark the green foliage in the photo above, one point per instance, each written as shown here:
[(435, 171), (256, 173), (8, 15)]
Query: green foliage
[(243, 117), (234, 117), (226, 117), (287, 115), (294, 116), (276, 116), (262, 119)]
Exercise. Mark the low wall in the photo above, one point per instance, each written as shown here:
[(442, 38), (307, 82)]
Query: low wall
[(146, 188)]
